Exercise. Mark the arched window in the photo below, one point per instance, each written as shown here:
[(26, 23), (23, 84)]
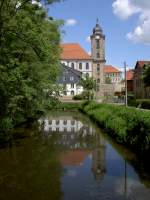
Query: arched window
[(98, 67), (98, 80), (72, 92)]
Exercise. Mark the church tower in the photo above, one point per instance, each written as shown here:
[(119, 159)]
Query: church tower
[(98, 53)]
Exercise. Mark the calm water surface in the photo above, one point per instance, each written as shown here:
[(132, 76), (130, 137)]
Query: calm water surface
[(65, 156)]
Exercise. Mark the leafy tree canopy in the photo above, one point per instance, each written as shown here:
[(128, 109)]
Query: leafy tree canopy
[(29, 58), (89, 85), (146, 76)]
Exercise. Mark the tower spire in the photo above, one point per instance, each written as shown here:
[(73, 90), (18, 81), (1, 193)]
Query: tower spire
[(97, 21)]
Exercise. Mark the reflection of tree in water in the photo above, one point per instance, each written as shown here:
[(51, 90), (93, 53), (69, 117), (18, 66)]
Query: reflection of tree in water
[(30, 170), (98, 159)]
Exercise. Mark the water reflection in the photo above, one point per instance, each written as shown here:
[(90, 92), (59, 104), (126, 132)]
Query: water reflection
[(81, 140), (66, 157)]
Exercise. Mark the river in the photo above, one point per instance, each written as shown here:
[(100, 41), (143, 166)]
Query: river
[(66, 156)]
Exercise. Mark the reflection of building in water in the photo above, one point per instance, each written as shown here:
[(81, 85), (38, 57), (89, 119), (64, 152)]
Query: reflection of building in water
[(65, 124), (98, 157), (73, 157), (69, 129)]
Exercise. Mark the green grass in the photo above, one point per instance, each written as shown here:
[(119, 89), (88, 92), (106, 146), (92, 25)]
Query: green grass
[(66, 106), (128, 126)]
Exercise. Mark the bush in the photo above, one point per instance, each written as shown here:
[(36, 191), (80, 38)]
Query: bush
[(78, 97), (144, 103), (128, 125)]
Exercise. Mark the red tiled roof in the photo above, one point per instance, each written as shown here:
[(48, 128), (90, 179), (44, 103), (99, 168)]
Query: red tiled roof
[(110, 69), (73, 51), (129, 75), (141, 63)]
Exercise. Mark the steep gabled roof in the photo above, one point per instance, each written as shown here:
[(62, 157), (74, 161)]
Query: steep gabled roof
[(110, 69), (78, 73), (73, 51), (141, 63)]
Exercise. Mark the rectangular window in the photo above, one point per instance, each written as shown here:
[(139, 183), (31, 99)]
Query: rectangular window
[(72, 65), (87, 66), (97, 44), (57, 122), (80, 66), (71, 78), (72, 85), (64, 78)]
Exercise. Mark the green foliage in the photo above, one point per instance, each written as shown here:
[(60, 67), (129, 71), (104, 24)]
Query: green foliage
[(140, 103), (78, 97), (89, 85), (65, 106), (29, 58), (128, 125), (108, 80), (146, 75), (144, 103), (85, 95)]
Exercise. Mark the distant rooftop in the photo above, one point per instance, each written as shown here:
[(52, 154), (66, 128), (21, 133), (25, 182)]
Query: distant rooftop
[(111, 69), (129, 75), (141, 63)]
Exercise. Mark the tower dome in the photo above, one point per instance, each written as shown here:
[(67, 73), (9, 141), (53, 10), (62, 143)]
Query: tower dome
[(97, 29)]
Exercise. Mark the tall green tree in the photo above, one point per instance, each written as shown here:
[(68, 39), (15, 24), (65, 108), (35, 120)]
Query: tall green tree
[(89, 85), (146, 76), (29, 59)]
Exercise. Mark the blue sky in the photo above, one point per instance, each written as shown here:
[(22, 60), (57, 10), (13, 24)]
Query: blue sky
[(116, 22)]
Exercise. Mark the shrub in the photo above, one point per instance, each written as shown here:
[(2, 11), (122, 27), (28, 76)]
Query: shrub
[(128, 125), (77, 97), (144, 103)]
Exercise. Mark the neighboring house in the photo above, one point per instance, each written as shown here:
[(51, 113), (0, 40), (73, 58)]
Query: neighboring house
[(129, 78), (112, 74), (139, 90), (69, 79)]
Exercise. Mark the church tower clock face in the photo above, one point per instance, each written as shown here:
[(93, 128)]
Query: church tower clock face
[(98, 53)]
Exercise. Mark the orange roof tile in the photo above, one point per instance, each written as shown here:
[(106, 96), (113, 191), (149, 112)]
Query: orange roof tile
[(129, 75), (111, 69), (73, 51)]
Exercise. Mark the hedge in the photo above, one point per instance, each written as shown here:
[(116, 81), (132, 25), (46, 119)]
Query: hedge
[(128, 125)]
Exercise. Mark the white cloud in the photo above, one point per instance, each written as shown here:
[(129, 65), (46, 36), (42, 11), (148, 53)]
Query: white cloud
[(126, 8), (88, 39), (71, 22)]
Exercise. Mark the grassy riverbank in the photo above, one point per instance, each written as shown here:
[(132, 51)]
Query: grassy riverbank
[(68, 106), (128, 126)]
